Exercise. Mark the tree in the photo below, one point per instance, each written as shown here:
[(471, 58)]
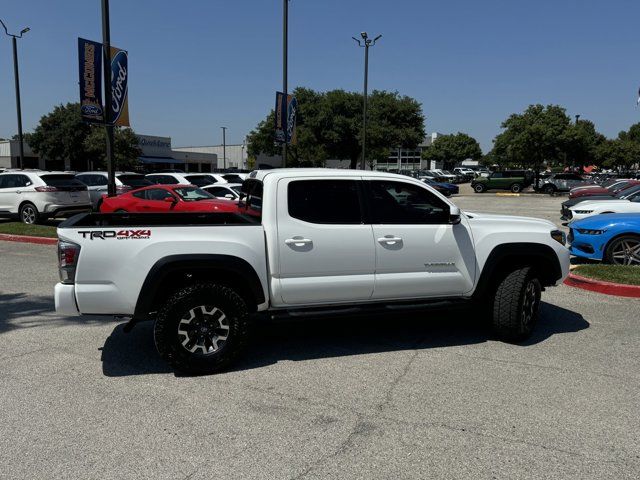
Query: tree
[(125, 148), (618, 153), (532, 137), (329, 125), (61, 135), (633, 134), (452, 149), (578, 143)]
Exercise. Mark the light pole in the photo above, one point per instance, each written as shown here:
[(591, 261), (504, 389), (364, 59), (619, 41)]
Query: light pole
[(577, 118), (106, 61), (285, 48), (224, 147), (17, 80)]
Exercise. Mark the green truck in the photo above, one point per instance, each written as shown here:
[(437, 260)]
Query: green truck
[(514, 180)]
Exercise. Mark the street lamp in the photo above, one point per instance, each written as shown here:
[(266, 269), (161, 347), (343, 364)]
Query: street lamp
[(224, 147), (577, 118), (17, 79), (366, 43)]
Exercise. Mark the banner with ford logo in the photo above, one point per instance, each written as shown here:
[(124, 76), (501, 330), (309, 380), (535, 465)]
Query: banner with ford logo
[(90, 68), (119, 87), (286, 114)]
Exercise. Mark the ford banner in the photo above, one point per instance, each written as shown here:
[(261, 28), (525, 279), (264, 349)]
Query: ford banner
[(90, 68), (119, 87), (286, 114)]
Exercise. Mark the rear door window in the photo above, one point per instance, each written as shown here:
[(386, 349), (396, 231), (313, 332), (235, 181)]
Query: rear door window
[(163, 179), (135, 181), (325, 201)]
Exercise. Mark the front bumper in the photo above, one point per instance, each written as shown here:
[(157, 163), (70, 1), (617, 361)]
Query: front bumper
[(65, 300)]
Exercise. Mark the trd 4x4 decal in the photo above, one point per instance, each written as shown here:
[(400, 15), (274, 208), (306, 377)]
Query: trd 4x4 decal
[(117, 234)]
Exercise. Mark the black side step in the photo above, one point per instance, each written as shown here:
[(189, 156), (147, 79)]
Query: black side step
[(369, 309)]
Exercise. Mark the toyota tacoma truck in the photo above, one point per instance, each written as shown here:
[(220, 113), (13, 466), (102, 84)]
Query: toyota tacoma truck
[(305, 242)]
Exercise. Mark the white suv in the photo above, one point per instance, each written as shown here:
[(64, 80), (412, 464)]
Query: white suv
[(35, 195), (97, 183)]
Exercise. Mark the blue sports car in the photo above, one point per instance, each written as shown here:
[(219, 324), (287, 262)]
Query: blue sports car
[(611, 238)]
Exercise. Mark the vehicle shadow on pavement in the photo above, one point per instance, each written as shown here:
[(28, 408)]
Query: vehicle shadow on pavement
[(312, 338)]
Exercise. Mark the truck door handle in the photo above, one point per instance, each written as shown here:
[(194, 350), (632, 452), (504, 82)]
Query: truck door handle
[(389, 240), (298, 241)]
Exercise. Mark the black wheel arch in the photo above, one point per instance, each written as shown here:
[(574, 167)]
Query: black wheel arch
[(174, 272), (510, 256)]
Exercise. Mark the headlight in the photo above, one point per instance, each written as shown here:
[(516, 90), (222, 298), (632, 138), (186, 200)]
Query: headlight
[(583, 212), (586, 231), (559, 236)]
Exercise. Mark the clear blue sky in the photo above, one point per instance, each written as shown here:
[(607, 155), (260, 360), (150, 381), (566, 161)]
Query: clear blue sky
[(198, 64)]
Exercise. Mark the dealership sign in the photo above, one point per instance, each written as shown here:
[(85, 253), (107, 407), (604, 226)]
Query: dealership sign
[(90, 68), (119, 87), (286, 115)]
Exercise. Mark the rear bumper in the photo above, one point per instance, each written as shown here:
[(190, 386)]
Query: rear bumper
[(66, 210), (65, 300)]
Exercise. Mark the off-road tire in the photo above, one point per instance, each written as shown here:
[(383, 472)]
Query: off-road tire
[(516, 188), (510, 321), (169, 342), (29, 214), (479, 188)]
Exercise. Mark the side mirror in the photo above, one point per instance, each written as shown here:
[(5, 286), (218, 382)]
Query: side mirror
[(454, 215), (169, 200)]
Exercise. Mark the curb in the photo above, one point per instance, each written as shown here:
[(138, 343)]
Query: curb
[(28, 239), (599, 286)]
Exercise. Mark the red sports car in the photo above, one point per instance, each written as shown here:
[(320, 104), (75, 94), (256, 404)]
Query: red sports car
[(167, 198)]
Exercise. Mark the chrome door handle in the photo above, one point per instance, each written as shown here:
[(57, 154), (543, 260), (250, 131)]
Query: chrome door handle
[(18, 191), (298, 242), (389, 240)]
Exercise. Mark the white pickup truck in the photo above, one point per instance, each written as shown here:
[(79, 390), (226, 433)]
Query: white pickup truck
[(306, 242)]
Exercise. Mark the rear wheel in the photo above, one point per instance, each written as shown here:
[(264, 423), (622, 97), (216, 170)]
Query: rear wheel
[(515, 305), (29, 213), (479, 188), (624, 250), (121, 211), (549, 189), (202, 328), (516, 188)]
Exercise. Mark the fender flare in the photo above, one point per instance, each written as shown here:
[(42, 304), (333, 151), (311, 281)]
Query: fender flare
[(169, 266)]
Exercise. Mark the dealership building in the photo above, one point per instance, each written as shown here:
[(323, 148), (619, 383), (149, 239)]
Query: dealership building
[(156, 154)]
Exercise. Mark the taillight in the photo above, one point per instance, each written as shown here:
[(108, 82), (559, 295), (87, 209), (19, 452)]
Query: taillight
[(48, 188), (68, 254)]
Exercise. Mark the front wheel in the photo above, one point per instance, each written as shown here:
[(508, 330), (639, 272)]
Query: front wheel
[(624, 250), (515, 305), (549, 189), (516, 188), (202, 328)]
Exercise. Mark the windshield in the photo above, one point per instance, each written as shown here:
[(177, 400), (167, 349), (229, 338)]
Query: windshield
[(135, 181), (193, 194), (232, 178), (199, 180)]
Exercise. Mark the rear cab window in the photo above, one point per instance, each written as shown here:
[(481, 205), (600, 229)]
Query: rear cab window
[(251, 198)]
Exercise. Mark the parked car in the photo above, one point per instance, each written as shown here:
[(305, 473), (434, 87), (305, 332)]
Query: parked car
[(562, 182), (323, 242), (611, 238), (166, 198), (622, 194), (514, 180), (446, 175), (447, 189), (466, 173), (174, 178), (33, 196), (97, 182), (585, 209), (230, 191), (612, 189)]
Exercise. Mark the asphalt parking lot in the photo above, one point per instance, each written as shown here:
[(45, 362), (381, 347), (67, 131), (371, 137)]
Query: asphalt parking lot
[(426, 396)]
